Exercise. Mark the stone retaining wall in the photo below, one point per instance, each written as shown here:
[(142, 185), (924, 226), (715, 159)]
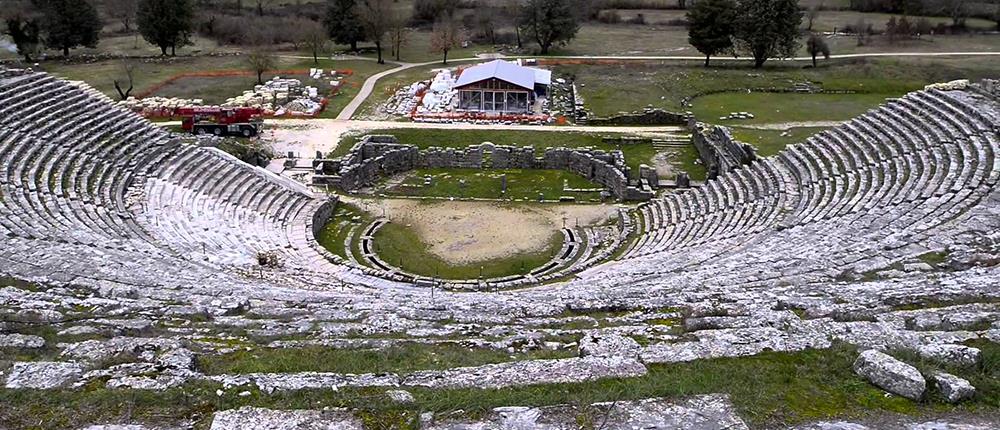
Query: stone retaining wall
[(718, 150), (377, 157), (644, 117)]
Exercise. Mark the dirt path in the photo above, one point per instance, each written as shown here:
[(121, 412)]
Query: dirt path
[(306, 136), (788, 125), (471, 232)]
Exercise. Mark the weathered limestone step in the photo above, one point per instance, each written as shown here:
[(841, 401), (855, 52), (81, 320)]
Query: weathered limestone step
[(707, 412)]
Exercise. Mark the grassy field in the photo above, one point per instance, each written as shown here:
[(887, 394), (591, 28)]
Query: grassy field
[(771, 142), (770, 108), (769, 390), (487, 184), (400, 246), (425, 138), (608, 89), (101, 76)]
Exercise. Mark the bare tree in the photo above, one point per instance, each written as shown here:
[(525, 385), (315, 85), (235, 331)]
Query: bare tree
[(486, 17), (399, 35), (259, 5), (122, 10), (128, 69), (957, 10), (260, 62), (315, 39), (447, 35), (512, 9), (861, 30), (375, 17), (811, 14), (817, 46)]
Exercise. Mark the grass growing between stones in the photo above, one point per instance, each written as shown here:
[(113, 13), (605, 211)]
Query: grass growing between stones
[(347, 221), (402, 247), (401, 358), (487, 184), (768, 390)]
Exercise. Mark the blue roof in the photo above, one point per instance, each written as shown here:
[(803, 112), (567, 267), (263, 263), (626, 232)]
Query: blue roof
[(523, 77)]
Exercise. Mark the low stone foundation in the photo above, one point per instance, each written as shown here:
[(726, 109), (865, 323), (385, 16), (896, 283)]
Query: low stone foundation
[(648, 116), (377, 157)]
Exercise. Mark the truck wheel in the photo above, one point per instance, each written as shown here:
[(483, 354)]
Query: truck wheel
[(217, 131), (200, 131), (247, 132)]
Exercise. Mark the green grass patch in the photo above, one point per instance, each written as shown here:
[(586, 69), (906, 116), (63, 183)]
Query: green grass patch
[(488, 184), (771, 389), (401, 358), (771, 142), (401, 246), (769, 108), (934, 258), (347, 220), (608, 89)]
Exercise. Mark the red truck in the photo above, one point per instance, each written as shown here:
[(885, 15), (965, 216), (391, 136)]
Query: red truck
[(237, 121)]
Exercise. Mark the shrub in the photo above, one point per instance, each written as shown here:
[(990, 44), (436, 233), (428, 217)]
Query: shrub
[(609, 17)]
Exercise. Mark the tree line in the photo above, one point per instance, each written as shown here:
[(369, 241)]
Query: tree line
[(169, 24), (762, 29)]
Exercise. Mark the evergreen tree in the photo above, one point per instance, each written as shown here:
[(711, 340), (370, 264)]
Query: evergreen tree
[(343, 23), (25, 34), (550, 22), (767, 28), (710, 26), (166, 23), (68, 24)]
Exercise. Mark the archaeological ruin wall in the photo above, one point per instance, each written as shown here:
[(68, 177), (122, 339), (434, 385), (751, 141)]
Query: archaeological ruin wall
[(718, 150), (377, 157)]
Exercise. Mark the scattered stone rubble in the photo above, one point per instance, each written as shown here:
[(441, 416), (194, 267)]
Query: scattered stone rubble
[(891, 374), (880, 233)]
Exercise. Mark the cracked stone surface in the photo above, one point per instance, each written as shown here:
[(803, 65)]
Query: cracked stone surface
[(21, 341), (709, 412), (953, 388), (42, 374), (267, 419), (959, 355), (528, 373)]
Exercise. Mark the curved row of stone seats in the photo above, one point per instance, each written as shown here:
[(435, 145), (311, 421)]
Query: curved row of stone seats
[(896, 173), (84, 181), (66, 160), (207, 204)]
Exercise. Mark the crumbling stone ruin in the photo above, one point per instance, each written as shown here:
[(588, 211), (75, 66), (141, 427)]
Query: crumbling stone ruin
[(880, 234), (378, 157), (647, 116), (718, 150)]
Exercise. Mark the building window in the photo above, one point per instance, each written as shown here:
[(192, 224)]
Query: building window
[(470, 100), (517, 102)]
